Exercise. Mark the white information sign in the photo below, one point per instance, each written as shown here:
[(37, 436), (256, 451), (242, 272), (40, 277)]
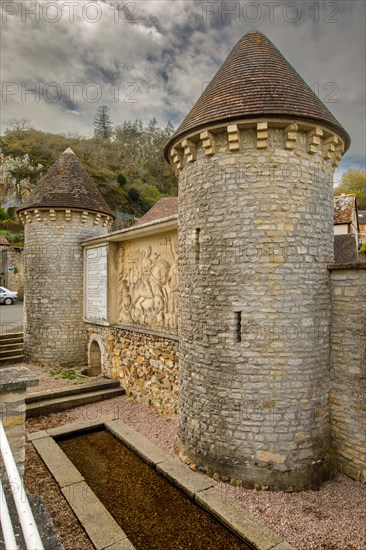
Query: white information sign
[(96, 284)]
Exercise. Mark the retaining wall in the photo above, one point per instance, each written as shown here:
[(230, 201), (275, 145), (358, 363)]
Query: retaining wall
[(145, 362)]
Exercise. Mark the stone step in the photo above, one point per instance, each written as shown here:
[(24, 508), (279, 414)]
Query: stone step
[(10, 360), (73, 390), (15, 340), (10, 345), (15, 350), (11, 348), (11, 335), (39, 408)]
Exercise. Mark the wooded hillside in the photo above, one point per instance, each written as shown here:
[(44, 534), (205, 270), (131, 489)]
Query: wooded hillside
[(129, 169)]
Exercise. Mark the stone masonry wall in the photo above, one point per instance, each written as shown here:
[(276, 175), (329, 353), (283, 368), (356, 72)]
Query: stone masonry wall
[(348, 369), (255, 238), (145, 363), (54, 331), (13, 384), (14, 279)]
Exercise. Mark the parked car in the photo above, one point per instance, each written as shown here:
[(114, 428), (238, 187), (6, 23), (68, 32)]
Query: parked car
[(7, 297)]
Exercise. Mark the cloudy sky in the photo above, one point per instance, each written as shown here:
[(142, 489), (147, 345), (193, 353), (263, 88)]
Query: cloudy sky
[(62, 59)]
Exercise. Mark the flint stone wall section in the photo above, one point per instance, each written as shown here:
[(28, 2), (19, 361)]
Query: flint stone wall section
[(255, 238), (348, 369), (145, 363), (54, 331)]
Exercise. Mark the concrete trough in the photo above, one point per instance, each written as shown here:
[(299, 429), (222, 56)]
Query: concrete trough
[(102, 529)]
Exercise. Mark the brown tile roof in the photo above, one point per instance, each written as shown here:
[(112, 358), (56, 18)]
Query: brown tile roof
[(66, 185), (164, 208), (4, 241), (344, 207), (256, 81), (362, 217), (345, 249)]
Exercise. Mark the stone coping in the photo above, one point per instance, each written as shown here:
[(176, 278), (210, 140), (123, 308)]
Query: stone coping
[(102, 529), (17, 378), (139, 330), (170, 223), (99, 323), (356, 265)]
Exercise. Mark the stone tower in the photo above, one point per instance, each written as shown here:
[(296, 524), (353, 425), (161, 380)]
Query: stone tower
[(255, 158), (64, 209)]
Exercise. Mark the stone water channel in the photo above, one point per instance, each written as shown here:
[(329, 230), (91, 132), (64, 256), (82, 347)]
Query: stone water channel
[(152, 512)]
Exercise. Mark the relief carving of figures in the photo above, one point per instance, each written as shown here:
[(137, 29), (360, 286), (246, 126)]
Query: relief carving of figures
[(148, 279)]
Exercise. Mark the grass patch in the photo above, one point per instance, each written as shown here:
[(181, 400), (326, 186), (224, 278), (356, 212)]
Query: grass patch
[(62, 374)]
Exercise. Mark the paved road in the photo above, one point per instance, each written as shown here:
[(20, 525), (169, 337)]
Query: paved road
[(11, 317)]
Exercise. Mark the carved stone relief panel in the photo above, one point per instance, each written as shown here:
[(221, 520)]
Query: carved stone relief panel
[(148, 283)]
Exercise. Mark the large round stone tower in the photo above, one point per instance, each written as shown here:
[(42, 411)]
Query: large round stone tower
[(64, 209), (255, 158)]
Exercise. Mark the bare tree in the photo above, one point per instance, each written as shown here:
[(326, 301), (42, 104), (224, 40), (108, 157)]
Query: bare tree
[(15, 124)]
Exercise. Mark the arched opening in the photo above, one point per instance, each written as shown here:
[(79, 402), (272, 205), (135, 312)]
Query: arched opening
[(95, 359)]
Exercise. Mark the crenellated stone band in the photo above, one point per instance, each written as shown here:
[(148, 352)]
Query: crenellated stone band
[(65, 214), (319, 140)]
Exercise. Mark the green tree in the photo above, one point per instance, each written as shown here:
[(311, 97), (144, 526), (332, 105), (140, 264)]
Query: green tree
[(150, 194), (354, 181), (11, 212), (102, 123), (121, 180), (133, 194)]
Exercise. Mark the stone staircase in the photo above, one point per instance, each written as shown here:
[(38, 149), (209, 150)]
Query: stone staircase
[(11, 348), (51, 401)]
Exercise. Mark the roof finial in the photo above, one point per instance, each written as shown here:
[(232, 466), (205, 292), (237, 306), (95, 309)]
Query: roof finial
[(68, 151)]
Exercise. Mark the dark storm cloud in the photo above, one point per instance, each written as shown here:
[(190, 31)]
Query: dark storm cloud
[(154, 58)]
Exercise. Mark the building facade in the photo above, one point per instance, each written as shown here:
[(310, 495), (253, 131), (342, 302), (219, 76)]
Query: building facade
[(258, 341)]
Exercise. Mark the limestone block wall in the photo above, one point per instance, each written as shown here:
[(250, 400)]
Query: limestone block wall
[(13, 258), (255, 238), (146, 364), (54, 331), (348, 368), (13, 384)]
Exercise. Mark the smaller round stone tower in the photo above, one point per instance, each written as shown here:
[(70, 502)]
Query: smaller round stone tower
[(64, 209)]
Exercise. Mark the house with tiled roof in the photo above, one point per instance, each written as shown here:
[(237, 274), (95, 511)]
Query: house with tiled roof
[(3, 242), (346, 228), (345, 215), (362, 225), (164, 208)]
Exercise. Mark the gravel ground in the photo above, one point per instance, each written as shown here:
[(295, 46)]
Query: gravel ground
[(55, 381), (333, 518)]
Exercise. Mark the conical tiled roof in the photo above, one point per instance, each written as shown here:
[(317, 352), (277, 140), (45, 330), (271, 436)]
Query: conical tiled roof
[(66, 185), (256, 81)]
